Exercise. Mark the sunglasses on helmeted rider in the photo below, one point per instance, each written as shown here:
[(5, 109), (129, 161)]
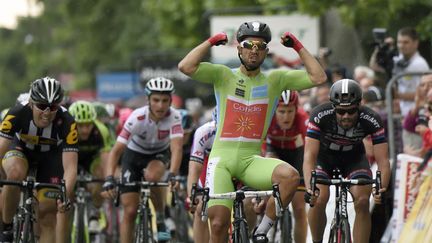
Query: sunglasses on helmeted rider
[(343, 111), (249, 44), (44, 107)]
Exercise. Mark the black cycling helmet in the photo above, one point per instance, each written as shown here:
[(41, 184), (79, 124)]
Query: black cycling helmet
[(254, 28), (46, 90), (345, 92)]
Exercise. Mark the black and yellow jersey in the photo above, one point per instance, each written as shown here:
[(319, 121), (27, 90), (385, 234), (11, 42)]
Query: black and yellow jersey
[(60, 134)]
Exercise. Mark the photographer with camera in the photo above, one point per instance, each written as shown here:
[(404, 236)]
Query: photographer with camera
[(382, 58), (408, 60)]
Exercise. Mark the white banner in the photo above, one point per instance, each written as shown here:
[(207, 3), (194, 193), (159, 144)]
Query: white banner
[(304, 27), (405, 193)]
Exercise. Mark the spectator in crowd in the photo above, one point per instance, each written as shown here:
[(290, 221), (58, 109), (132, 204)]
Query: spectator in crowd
[(321, 95), (423, 96), (408, 60), (361, 72), (366, 82), (338, 72)]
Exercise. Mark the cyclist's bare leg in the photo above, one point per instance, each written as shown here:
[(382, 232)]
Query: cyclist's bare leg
[(317, 216), (299, 212), (362, 222), (64, 223), (154, 173), (251, 216), (48, 220), (201, 231), (16, 169), (129, 201), (220, 221), (288, 179)]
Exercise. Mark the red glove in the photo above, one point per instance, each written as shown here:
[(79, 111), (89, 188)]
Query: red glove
[(289, 40), (218, 39)]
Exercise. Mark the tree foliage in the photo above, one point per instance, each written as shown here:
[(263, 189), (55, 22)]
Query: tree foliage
[(83, 37)]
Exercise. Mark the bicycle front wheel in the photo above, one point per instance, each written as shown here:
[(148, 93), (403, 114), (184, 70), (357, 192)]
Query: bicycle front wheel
[(241, 232), (79, 231), (24, 231), (333, 236), (286, 227), (142, 229), (345, 232)]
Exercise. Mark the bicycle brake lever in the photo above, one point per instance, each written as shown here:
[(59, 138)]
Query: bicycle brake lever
[(117, 198), (378, 182), (205, 199), (278, 202)]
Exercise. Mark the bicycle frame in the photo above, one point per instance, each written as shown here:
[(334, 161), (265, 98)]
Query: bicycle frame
[(240, 231), (340, 229), (80, 232), (26, 214), (144, 229)]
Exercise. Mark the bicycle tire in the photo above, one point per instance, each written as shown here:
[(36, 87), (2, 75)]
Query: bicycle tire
[(142, 230), (80, 235), (345, 231), (333, 236), (113, 224), (286, 227), (18, 227), (27, 229), (182, 224), (240, 232)]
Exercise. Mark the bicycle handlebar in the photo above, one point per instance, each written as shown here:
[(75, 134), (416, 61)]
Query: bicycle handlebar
[(237, 195), (347, 182), (32, 184)]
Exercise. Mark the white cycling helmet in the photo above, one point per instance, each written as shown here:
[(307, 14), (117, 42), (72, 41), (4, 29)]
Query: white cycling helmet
[(159, 85)]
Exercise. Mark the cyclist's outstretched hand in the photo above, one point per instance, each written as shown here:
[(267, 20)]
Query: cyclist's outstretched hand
[(311, 197), (109, 188), (378, 198), (218, 39), (289, 40)]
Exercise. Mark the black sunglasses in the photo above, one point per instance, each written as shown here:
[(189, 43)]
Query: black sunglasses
[(343, 111), (44, 107)]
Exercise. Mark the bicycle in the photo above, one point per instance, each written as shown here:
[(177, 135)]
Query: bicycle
[(80, 229), (240, 232), (285, 223), (182, 219), (143, 227), (340, 231), (25, 217)]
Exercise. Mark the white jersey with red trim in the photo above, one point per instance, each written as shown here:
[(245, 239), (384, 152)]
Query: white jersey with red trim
[(203, 141), (143, 135), (201, 147)]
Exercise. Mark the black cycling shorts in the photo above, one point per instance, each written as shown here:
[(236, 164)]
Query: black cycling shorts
[(351, 165), (294, 157), (133, 164)]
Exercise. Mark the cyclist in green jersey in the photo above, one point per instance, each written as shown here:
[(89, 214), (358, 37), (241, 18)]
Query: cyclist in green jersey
[(246, 100), (94, 143)]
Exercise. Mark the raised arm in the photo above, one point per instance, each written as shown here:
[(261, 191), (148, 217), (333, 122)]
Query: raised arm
[(189, 64), (316, 73)]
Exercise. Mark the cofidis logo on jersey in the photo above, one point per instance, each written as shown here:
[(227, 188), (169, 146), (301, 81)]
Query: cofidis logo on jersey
[(244, 120)]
